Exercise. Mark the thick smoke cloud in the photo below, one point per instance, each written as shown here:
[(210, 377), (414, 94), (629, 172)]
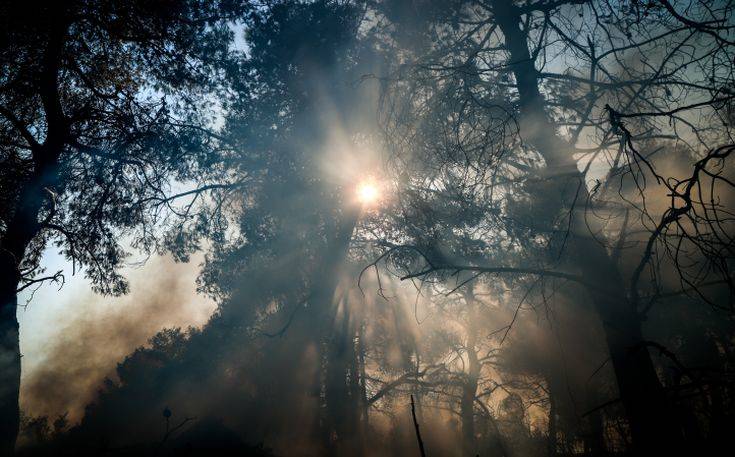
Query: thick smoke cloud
[(92, 333)]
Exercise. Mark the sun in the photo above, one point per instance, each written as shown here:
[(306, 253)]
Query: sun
[(367, 192)]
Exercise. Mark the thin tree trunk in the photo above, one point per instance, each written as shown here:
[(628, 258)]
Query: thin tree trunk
[(469, 387), (364, 407), (653, 426), (363, 381), (416, 426), (551, 443)]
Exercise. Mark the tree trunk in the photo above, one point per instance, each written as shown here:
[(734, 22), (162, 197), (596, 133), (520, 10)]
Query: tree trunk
[(594, 441), (341, 394), (331, 341), (365, 407), (22, 228), (467, 413), (653, 426), (9, 358), (551, 440), (361, 387), (469, 386)]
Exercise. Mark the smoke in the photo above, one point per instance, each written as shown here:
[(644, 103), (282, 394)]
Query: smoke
[(93, 333), (293, 335)]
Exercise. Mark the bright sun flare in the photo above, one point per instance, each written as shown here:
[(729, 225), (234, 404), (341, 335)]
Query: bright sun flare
[(367, 192)]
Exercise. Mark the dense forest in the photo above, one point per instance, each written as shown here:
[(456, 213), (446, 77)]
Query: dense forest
[(426, 227)]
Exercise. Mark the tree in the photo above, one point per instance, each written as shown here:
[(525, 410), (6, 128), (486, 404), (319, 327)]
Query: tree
[(98, 121), (541, 173), (560, 100), (298, 111), (279, 245), (454, 347)]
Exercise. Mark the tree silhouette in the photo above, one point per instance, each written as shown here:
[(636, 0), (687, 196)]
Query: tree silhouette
[(99, 117), (538, 94)]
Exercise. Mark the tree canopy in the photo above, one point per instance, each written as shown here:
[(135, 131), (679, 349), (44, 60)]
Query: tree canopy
[(541, 261)]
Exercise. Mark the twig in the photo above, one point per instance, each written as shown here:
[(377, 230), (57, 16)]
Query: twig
[(416, 426)]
